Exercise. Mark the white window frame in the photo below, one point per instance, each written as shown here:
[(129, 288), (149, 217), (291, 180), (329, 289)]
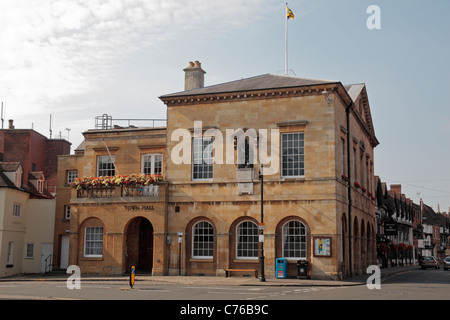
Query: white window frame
[(40, 186), (286, 147), (18, 178), (302, 251), (195, 228), (106, 160), (29, 254), (17, 208), (247, 243), (71, 176), (206, 141), (152, 160), (87, 242)]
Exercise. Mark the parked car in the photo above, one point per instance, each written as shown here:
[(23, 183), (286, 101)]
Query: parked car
[(447, 263), (429, 262)]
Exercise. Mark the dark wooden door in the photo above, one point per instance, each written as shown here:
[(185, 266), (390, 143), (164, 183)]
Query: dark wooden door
[(145, 246)]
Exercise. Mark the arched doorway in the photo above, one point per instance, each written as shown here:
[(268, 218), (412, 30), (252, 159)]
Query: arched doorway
[(139, 245)]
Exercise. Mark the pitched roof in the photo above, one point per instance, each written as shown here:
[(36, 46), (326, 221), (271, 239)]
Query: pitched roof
[(35, 175), (265, 81), (9, 166), (272, 81), (354, 90), (5, 182), (35, 194)]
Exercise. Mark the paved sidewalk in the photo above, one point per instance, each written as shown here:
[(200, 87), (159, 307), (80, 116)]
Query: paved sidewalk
[(213, 281)]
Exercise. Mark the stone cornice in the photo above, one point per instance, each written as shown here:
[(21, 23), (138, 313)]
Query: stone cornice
[(247, 95)]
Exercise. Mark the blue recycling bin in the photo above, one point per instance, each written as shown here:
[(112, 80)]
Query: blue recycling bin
[(281, 268)]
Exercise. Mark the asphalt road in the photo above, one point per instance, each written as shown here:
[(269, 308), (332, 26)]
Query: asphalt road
[(417, 284)]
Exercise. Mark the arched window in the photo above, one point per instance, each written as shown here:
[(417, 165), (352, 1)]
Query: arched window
[(247, 240), (203, 240), (294, 240)]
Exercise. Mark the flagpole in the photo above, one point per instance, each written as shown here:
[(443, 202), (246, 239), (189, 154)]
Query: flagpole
[(286, 43)]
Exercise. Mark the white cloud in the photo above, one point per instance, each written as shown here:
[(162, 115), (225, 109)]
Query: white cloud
[(51, 49), (61, 56)]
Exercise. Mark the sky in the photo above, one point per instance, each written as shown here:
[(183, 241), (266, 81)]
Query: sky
[(74, 60)]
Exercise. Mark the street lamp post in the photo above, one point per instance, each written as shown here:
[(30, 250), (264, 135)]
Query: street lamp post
[(262, 277)]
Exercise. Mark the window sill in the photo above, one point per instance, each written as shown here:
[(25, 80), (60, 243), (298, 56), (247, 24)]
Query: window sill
[(92, 259), (202, 180), (295, 178), (201, 260)]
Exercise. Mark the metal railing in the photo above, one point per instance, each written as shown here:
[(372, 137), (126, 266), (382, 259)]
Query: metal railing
[(121, 191), (106, 121), (48, 263)]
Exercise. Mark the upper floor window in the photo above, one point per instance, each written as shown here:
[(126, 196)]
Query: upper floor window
[(18, 178), (40, 185), (361, 168), (293, 154), (343, 156), (16, 209), (245, 152), (152, 164), (202, 164), (71, 176), (105, 166)]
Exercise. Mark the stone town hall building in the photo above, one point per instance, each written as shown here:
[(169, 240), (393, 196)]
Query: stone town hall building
[(318, 185)]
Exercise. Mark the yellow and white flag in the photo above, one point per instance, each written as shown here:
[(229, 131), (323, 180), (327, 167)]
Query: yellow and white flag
[(289, 13)]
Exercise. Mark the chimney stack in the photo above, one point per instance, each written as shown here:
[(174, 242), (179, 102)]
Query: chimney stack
[(397, 188), (11, 124), (194, 76)]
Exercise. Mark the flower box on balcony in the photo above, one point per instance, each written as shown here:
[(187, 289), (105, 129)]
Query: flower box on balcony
[(356, 183), (84, 183)]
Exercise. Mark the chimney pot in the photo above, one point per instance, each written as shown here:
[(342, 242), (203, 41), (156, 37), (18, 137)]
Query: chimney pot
[(11, 124)]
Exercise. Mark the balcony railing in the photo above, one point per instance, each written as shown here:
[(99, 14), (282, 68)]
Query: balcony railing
[(106, 121), (119, 191)]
